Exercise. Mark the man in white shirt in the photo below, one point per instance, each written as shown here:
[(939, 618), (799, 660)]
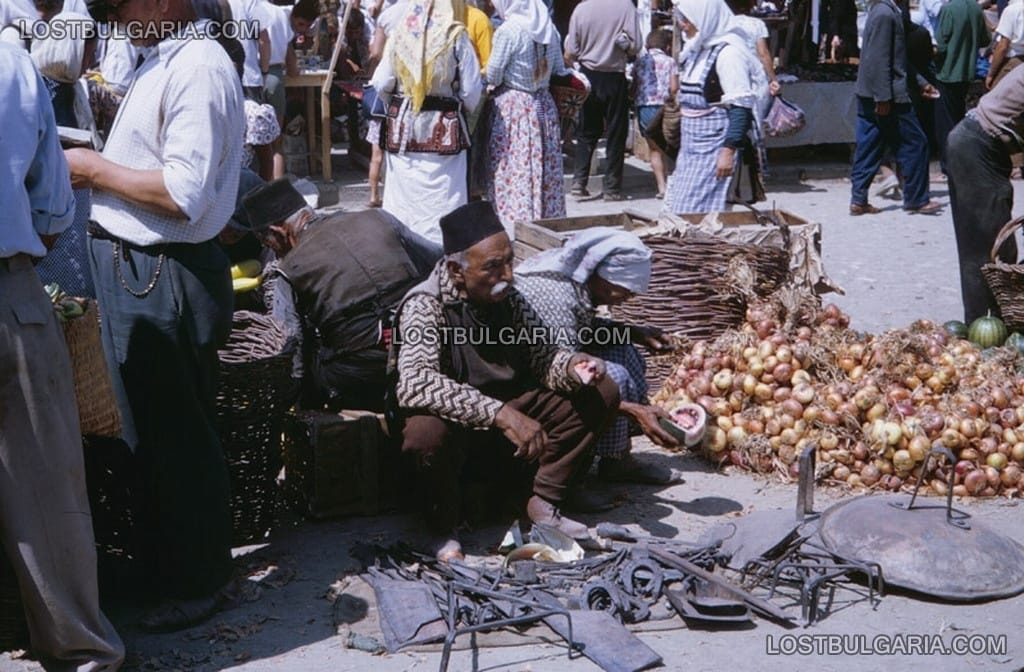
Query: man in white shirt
[(45, 526), (163, 189), (257, 51), (1008, 52)]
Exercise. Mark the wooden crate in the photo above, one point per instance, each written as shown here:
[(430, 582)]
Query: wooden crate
[(543, 234), (333, 462)]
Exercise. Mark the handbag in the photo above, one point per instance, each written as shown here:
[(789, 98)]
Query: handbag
[(783, 118), (372, 104), (438, 128), (671, 119)]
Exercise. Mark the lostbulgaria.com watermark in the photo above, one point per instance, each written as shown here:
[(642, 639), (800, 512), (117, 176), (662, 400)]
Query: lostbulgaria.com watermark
[(885, 645), (514, 336), (62, 29)]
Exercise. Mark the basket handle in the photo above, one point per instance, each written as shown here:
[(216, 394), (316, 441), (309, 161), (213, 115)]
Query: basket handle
[(1008, 230)]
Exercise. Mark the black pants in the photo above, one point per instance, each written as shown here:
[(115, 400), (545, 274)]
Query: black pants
[(950, 109), (606, 108), (981, 197), (162, 353)]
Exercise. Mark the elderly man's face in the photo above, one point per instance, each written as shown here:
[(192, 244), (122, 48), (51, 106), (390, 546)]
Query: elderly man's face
[(605, 293), (487, 277)]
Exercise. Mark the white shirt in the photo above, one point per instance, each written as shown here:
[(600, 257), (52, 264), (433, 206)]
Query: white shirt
[(1011, 27), (118, 63), (389, 18), (279, 27), (35, 187), (182, 115), (253, 13)]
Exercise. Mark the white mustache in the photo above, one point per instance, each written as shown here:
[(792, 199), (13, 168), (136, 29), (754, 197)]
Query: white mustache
[(499, 288)]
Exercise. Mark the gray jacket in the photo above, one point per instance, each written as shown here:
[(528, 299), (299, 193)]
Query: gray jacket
[(882, 75)]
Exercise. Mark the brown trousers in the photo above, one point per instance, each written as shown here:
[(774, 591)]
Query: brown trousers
[(45, 526), (438, 447)]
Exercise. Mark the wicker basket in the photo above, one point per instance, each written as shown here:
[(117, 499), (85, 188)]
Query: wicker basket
[(94, 393), (1007, 280), (13, 627), (256, 390), (690, 292)]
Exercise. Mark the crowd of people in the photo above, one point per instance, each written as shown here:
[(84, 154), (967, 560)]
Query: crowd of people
[(404, 308)]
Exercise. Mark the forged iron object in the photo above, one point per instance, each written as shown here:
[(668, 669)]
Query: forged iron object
[(774, 547), (930, 549)]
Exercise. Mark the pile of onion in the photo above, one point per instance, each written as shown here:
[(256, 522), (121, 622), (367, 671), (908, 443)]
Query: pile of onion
[(874, 406)]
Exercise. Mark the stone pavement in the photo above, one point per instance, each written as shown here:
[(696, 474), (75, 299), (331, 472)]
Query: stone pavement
[(895, 268)]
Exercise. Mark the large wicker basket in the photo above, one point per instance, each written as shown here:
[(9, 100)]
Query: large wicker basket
[(692, 292), (1007, 280), (256, 390), (94, 393)]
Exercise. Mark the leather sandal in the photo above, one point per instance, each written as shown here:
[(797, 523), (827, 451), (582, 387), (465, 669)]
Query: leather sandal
[(865, 209)]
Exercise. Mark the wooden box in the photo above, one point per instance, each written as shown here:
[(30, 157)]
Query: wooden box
[(333, 462)]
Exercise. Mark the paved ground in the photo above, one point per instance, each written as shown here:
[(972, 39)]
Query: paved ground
[(895, 268)]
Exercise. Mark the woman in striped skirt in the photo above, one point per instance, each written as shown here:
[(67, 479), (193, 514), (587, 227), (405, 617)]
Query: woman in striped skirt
[(718, 92), (524, 152)]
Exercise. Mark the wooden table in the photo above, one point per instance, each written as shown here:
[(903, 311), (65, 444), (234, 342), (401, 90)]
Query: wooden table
[(311, 80)]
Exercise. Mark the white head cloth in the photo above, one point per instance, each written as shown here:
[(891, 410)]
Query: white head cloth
[(60, 58), (716, 24), (617, 256), (531, 15)]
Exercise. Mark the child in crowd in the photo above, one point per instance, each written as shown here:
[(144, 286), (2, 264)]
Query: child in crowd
[(651, 75)]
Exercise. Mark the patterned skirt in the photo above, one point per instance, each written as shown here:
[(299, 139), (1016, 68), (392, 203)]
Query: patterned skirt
[(693, 187), (524, 152), (626, 366)]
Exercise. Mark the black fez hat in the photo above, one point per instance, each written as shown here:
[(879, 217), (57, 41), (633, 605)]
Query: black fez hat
[(272, 203), (467, 225)]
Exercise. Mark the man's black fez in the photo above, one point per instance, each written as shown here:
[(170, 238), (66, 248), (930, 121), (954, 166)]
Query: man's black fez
[(468, 224), (272, 203)]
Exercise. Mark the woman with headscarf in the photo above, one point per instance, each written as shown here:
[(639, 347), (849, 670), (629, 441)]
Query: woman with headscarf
[(603, 266), (524, 152), (62, 61), (718, 92), (430, 62)]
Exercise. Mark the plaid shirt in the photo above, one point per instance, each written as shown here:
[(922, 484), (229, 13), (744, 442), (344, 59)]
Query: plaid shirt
[(425, 368)]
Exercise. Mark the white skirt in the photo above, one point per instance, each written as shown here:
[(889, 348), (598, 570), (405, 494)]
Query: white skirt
[(422, 188)]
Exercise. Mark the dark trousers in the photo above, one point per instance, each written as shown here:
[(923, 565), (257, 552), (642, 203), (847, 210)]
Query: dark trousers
[(981, 198), (45, 527), (162, 353), (607, 107), (440, 449), (950, 108), (899, 131)]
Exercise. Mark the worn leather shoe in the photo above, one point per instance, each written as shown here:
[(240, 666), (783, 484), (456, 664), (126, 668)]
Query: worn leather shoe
[(865, 209), (631, 470), (929, 208), (543, 512), (584, 500)]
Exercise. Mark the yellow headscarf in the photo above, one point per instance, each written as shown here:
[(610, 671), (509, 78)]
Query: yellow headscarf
[(428, 30)]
